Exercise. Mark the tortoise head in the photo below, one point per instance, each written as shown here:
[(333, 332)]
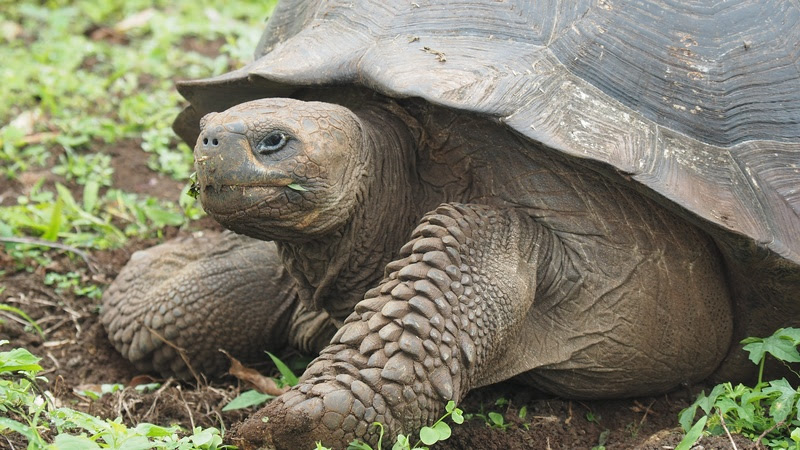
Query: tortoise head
[(280, 169)]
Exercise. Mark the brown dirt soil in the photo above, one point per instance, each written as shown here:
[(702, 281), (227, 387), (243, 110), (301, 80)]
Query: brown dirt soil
[(76, 353)]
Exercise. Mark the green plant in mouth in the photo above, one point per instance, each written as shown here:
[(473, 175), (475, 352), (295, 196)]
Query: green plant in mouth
[(767, 412)]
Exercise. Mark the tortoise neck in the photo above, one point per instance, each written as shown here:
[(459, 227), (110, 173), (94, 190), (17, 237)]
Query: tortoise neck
[(334, 271)]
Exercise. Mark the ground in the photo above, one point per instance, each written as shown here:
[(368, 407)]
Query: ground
[(77, 355)]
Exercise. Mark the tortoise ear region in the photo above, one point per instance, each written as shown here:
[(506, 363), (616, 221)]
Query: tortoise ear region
[(207, 118)]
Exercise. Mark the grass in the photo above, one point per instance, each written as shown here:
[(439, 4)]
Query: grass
[(28, 410), (80, 80)]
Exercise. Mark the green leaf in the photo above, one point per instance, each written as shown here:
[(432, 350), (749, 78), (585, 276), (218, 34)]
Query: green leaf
[(66, 196), (23, 429), (22, 314), (782, 345), (402, 443), (358, 445), (428, 435), (443, 430), (150, 430), (69, 418), (134, 442), (458, 417), (69, 442), (246, 399), (19, 359), (296, 187), (706, 403), (496, 418), (289, 377), (692, 435), (160, 216), (90, 190), (782, 406), (205, 438), (54, 225)]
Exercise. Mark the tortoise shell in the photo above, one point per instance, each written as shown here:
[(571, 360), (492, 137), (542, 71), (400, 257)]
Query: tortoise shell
[(696, 103)]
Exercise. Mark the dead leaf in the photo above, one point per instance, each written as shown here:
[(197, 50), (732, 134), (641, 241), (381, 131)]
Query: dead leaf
[(261, 383), (26, 120), (10, 30), (82, 388), (137, 20), (141, 379)]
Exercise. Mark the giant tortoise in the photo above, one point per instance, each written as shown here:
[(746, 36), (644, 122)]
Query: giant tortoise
[(596, 198)]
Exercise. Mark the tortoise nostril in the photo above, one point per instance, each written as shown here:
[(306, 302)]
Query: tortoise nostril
[(205, 141), (215, 142)]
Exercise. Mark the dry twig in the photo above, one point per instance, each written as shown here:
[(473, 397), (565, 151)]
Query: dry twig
[(766, 432), (181, 351), (725, 427), (186, 405), (156, 397)]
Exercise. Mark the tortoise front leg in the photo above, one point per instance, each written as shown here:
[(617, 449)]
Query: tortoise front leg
[(426, 335), (196, 295)]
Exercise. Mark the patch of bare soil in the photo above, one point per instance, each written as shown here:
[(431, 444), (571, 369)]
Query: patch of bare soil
[(76, 353), (132, 174)]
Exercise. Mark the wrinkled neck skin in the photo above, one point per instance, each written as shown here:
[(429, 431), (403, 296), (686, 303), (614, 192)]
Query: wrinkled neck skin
[(334, 271)]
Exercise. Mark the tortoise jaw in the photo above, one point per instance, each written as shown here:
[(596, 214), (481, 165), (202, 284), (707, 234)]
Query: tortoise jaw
[(227, 200)]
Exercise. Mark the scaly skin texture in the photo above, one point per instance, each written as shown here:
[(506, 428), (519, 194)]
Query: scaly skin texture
[(201, 294)]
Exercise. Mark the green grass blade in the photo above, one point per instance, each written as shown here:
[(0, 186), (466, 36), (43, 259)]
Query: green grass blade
[(22, 314), (54, 225), (288, 375), (693, 435)]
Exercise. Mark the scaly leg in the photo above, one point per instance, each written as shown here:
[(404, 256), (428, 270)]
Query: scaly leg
[(458, 291)]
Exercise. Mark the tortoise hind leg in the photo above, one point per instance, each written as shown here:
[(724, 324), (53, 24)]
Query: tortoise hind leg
[(201, 294)]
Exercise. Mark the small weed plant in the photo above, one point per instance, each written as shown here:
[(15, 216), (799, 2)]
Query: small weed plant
[(496, 420), (254, 398), (767, 413), (27, 410), (438, 432)]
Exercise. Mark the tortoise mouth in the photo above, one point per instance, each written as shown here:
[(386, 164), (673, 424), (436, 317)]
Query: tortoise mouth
[(237, 200)]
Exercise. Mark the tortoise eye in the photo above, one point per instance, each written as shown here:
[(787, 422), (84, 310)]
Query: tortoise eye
[(273, 142)]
